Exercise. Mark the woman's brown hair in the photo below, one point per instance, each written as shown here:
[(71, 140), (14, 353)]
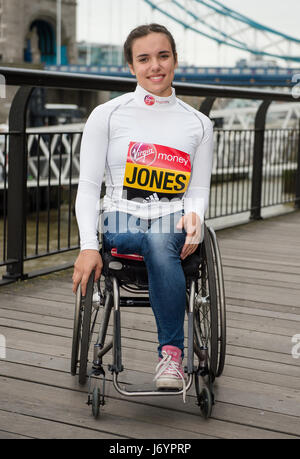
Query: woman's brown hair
[(142, 31)]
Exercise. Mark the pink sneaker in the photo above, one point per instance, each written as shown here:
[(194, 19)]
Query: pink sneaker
[(169, 371)]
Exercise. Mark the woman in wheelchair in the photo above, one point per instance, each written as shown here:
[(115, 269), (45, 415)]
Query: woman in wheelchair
[(156, 153)]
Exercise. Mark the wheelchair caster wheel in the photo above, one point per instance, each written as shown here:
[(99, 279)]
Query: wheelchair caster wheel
[(96, 402), (205, 402)]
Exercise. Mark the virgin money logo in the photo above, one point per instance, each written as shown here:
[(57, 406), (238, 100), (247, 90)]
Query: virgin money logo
[(149, 100), (143, 153)]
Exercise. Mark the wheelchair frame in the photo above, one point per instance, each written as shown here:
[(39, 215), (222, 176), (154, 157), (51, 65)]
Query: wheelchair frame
[(206, 327)]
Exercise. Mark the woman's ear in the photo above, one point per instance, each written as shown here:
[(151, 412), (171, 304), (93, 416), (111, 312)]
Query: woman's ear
[(176, 61), (131, 69)]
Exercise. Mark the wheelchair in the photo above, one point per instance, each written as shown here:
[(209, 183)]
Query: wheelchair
[(206, 323)]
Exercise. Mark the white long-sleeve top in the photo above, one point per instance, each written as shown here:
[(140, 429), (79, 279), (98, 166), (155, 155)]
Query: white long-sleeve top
[(156, 154)]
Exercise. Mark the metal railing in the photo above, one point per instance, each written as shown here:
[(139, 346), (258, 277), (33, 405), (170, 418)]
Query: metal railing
[(53, 172), (39, 169), (233, 171)]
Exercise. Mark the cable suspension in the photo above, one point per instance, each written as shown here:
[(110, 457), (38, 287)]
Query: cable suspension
[(225, 39)]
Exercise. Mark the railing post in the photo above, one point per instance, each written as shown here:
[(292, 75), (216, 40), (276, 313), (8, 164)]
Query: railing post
[(17, 181), (258, 155), (206, 105), (297, 197)]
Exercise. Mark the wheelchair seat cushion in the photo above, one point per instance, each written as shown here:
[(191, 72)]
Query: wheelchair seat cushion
[(125, 268), (129, 256), (131, 268)]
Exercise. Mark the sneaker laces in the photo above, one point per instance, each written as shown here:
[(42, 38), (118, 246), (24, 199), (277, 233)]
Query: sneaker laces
[(167, 363)]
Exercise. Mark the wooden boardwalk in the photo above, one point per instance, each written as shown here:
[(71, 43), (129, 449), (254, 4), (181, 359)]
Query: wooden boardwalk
[(257, 396)]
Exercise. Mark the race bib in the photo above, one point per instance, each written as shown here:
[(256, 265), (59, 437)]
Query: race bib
[(154, 172)]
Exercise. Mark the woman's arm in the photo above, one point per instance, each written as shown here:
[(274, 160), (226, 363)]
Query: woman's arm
[(93, 154), (197, 196)]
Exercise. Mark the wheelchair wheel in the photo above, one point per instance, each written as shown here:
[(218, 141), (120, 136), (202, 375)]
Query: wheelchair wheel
[(76, 332), (221, 302), (206, 313), (89, 315), (205, 402), (96, 402)]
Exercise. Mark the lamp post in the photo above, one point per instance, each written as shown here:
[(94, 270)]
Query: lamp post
[(58, 32)]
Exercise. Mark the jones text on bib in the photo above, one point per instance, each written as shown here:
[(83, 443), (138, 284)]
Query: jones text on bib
[(154, 172)]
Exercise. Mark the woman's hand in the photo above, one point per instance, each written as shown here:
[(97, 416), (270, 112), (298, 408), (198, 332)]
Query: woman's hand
[(192, 225), (86, 262)]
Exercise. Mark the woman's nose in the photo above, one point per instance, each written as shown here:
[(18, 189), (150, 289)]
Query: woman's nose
[(155, 65)]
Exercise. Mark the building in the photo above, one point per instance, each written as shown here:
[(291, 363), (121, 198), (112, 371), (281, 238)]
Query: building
[(28, 31), (99, 54)]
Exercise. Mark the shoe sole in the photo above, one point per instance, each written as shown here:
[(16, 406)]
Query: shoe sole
[(167, 384)]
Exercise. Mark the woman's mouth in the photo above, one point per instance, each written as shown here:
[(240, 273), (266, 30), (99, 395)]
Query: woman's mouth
[(156, 78)]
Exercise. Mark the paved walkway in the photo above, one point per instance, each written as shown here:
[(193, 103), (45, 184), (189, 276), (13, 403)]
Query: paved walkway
[(256, 397)]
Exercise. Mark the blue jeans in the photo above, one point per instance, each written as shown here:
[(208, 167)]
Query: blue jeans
[(160, 243)]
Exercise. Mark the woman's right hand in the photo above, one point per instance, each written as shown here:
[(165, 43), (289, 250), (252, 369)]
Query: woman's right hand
[(87, 261)]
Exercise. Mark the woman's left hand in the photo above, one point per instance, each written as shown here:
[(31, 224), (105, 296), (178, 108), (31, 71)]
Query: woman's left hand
[(192, 225)]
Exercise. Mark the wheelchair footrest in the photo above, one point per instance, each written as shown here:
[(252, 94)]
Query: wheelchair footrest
[(202, 371), (194, 371), (115, 369)]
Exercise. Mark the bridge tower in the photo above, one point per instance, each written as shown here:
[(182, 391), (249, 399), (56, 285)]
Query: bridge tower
[(28, 32), (28, 39)]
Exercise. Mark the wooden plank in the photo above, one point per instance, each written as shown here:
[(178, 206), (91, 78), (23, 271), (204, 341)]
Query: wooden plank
[(142, 338), (261, 310), (65, 320), (61, 346), (138, 327), (289, 371), (258, 394), (24, 426), (257, 249), (286, 375), (257, 264), (275, 310), (31, 372), (160, 410), (136, 363), (263, 244), (69, 406), (12, 436), (283, 344), (253, 276), (50, 345), (275, 295), (262, 340), (271, 259), (36, 306)]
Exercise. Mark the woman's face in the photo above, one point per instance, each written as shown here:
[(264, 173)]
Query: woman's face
[(153, 63)]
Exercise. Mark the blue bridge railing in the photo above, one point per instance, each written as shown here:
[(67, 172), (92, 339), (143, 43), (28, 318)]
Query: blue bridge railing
[(244, 76)]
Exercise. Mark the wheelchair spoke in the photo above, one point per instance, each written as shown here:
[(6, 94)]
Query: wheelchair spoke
[(93, 320), (206, 320)]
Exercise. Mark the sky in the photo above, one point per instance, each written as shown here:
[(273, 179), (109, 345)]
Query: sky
[(110, 21)]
